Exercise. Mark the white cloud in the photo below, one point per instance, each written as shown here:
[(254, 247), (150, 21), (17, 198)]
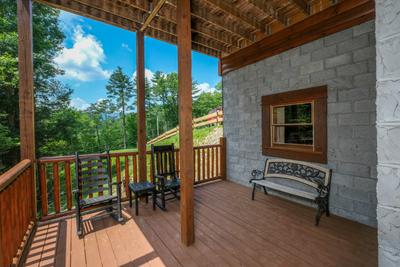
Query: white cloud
[(83, 60), (205, 88), (126, 46), (79, 103), (147, 73)]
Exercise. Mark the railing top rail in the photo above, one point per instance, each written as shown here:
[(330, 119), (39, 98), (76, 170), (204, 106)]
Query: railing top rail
[(9, 176), (112, 154)]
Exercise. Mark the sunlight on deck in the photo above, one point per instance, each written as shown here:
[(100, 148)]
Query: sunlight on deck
[(231, 230)]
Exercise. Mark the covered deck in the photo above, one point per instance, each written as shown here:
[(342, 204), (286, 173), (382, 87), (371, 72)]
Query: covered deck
[(231, 230)]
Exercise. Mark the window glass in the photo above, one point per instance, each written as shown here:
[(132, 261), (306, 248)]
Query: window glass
[(292, 124)]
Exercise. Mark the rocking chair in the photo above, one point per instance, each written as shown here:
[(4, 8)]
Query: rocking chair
[(95, 188), (165, 176)]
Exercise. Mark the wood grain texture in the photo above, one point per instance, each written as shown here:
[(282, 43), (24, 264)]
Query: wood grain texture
[(344, 15), (185, 121), (141, 109), (17, 211), (228, 223)]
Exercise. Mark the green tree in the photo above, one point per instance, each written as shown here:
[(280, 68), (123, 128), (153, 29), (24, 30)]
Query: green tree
[(206, 102), (50, 95), (120, 90)]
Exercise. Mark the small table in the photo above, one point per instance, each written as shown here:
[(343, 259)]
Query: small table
[(142, 189)]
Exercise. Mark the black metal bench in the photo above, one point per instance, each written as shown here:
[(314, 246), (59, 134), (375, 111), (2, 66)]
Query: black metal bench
[(315, 181)]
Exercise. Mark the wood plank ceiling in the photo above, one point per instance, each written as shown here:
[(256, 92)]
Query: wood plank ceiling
[(219, 27)]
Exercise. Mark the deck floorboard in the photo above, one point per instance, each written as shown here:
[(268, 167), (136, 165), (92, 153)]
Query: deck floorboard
[(231, 230)]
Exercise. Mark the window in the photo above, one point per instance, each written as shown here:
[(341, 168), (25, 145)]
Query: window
[(294, 124)]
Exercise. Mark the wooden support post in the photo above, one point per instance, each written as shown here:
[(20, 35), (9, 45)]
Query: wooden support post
[(185, 120), (141, 109), (26, 89), (222, 141)]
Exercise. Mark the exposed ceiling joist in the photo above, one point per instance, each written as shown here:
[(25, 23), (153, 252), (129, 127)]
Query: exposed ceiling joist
[(303, 6), (268, 8), (234, 12), (153, 13)]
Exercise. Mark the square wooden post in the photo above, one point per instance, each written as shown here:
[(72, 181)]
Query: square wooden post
[(185, 121), (141, 109), (26, 89)]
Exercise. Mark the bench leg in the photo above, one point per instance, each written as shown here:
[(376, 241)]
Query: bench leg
[(328, 213), (265, 190), (254, 191)]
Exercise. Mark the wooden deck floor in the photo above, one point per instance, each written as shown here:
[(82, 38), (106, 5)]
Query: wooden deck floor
[(231, 230)]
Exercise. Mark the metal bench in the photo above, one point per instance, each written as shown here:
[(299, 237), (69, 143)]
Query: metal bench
[(314, 181)]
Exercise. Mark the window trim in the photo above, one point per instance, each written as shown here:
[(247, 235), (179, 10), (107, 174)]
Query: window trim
[(318, 97)]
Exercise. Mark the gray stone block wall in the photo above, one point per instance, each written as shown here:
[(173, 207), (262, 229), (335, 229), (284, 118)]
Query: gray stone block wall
[(388, 129), (345, 61)]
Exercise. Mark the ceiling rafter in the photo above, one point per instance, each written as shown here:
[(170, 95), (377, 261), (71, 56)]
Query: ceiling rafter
[(268, 8), (168, 13), (302, 5), (153, 13), (98, 14), (204, 13), (234, 12)]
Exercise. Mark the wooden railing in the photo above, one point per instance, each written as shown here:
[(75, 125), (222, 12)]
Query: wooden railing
[(213, 118), (57, 175), (17, 211)]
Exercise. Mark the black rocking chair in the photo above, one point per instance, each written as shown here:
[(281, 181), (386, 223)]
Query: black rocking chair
[(165, 176), (93, 174)]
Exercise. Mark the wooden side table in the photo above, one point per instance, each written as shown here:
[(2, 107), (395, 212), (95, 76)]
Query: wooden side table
[(140, 189)]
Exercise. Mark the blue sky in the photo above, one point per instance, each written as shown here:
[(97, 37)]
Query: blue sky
[(94, 49)]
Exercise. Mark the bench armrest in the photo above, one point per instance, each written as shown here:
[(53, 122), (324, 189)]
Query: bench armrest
[(255, 174)]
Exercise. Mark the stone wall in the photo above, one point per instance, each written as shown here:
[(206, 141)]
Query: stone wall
[(388, 129), (344, 61)]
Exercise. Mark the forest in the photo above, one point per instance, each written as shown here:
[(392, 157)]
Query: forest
[(62, 129)]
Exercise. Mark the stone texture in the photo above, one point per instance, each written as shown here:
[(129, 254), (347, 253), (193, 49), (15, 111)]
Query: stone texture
[(388, 130), (341, 61)]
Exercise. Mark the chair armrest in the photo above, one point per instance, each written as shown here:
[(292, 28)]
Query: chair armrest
[(254, 174)]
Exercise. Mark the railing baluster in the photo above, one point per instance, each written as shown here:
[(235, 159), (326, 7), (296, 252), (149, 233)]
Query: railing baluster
[(118, 168), (135, 174), (217, 160), (203, 164), (43, 189), (212, 163), (68, 185), (198, 164), (90, 171), (56, 188), (126, 166)]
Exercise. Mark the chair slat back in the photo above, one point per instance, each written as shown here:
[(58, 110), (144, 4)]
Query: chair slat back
[(93, 173), (164, 160)]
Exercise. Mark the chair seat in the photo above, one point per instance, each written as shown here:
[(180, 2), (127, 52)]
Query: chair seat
[(287, 189), (95, 200), (172, 183), (141, 187)]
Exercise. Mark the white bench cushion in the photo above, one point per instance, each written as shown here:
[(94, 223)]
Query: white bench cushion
[(287, 189)]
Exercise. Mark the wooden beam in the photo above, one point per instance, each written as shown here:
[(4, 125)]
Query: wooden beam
[(26, 90), (202, 12), (185, 122), (153, 13), (233, 12), (333, 19), (302, 5), (121, 17), (141, 109)]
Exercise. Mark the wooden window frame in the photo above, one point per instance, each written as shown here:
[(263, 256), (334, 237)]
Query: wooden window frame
[(318, 152)]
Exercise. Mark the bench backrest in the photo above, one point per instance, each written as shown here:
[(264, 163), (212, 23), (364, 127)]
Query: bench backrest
[(303, 172)]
